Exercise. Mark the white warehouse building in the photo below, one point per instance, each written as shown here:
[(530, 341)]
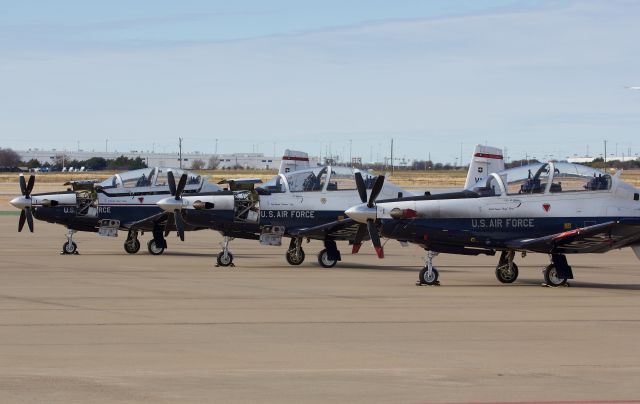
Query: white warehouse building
[(245, 160)]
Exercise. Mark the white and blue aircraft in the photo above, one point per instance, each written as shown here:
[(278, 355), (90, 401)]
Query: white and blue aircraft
[(125, 201), (551, 208), (304, 204)]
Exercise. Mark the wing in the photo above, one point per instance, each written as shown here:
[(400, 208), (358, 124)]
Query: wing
[(337, 230), (598, 238), (146, 223)]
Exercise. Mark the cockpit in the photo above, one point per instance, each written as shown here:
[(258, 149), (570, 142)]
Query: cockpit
[(542, 178), (156, 177), (319, 179)]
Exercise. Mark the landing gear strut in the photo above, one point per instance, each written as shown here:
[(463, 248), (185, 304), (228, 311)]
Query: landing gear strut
[(225, 258), (295, 253), (507, 270), (429, 274), (132, 244), (69, 247)]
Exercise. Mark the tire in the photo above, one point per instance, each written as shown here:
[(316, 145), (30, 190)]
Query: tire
[(153, 249), (433, 280), (69, 247), (506, 275), (324, 261), (132, 247), (551, 276), (293, 258), (224, 261)]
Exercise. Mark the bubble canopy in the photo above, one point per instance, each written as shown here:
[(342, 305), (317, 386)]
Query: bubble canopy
[(150, 177), (546, 178)]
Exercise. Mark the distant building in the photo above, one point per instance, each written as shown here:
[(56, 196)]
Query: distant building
[(580, 160), (245, 160)]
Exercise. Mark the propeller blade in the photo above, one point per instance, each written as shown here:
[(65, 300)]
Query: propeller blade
[(32, 180), (181, 185), (23, 185), (23, 217), (362, 188), (179, 224), (375, 238), (29, 219), (172, 183), (357, 242), (375, 191), (169, 224)]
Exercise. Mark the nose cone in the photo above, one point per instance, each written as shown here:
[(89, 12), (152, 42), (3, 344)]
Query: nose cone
[(361, 213), (20, 202), (169, 204)]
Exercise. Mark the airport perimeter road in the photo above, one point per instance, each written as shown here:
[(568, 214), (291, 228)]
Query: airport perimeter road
[(108, 327)]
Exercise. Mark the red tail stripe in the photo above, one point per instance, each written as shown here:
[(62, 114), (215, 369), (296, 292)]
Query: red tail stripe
[(488, 156)]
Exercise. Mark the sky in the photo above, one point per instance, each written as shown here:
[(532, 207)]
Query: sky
[(544, 79)]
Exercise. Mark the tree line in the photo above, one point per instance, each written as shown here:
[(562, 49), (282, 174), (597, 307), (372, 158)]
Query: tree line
[(10, 160)]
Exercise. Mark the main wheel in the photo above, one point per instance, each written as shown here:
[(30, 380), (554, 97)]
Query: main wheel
[(224, 260), (425, 279), (295, 258), (132, 246), (506, 274), (153, 248), (69, 247), (324, 261), (551, 277)]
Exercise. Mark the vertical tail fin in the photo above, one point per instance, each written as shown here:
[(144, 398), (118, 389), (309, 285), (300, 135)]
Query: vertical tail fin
[(293, 160), (484, 161)]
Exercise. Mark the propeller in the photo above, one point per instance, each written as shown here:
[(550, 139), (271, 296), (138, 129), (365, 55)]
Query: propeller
[(24, 202), (175, 217), (370, 225)]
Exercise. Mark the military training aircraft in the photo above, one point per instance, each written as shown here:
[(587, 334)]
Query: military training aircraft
[(551, 208), (124, 201), (304, 204)]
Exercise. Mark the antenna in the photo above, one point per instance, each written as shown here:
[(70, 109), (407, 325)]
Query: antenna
[(392, 156), (180, 151)]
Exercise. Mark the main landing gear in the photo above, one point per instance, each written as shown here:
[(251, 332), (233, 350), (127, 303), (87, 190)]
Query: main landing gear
[(429, 274), (225, 258), (329, 256), (155, 246), (558, 272), (132, 244), (295, 253), (69, 247), (507, 270)]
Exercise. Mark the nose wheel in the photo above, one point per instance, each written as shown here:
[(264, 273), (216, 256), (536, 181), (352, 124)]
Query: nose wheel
[(225, 258), (429, 274), (69, 247)]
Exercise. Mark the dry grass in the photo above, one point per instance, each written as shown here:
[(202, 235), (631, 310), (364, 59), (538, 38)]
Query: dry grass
[(410, 179)]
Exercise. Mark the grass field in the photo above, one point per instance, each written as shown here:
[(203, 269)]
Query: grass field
[(404, 178)]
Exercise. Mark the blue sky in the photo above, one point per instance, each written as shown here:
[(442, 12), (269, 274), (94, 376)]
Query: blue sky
[(542, 78)]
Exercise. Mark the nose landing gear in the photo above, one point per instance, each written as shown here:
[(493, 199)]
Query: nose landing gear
[(225, 258), (69, 247), (429, 274)]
